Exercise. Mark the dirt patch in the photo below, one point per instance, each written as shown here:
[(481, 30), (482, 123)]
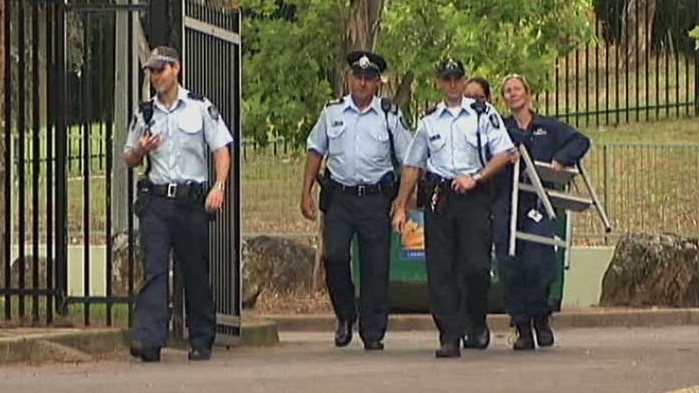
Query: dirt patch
[(293, 303)]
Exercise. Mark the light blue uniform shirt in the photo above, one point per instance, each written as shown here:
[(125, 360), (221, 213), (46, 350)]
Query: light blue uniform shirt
[(185, 130), (357, 142), (446, 140)]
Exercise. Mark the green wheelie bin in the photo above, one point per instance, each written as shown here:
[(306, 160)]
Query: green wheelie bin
[(408, 274)]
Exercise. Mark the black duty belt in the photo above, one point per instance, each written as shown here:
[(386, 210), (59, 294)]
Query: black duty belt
[(434, 178), (362, 190), (173, 190)]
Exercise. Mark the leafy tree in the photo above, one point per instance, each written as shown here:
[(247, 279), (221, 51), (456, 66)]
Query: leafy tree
[(294, 49), (492, 37), (695, 34), (291, 48)]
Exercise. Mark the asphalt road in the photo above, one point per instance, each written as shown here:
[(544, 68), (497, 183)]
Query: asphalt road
[(643, 360)]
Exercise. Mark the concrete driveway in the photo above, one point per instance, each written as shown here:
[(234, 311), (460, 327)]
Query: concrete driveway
[(618, 360)]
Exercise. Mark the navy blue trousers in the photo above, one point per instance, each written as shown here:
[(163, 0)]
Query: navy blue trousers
[(173, 225), (527, 277)]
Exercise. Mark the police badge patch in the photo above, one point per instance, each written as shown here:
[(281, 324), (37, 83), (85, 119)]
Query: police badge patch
[(494, 120), (213, 112)]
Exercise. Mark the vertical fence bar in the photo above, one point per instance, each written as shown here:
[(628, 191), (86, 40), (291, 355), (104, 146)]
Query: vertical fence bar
[(607, 47), (696, 71), (637, 90), (130, 175), (556, 95), (51, 101), (667, 83), (61, 172), (106, 117), (86, 106), (36, 148), (649, 43), (7, 239), (21, 176), (587, 85)]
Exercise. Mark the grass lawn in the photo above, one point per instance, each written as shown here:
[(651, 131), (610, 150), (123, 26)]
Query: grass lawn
[(641, 171)]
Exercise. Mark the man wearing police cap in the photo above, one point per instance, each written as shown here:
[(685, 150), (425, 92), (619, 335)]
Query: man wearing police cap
[(365, 141), (450, 144), (170, 133)]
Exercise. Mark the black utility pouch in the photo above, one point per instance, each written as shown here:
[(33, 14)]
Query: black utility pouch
[(326, 189)]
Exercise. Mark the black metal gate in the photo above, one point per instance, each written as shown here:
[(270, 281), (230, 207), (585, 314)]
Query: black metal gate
[(71, 78), (67, 101), (212, 67)]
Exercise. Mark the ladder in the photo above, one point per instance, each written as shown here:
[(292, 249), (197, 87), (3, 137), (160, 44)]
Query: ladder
[(537, 173)]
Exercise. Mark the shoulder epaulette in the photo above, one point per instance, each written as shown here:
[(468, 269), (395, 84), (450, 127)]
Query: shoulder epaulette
[(336, 101), (195, 96), (146, 110), (429, 111), (145, 105)]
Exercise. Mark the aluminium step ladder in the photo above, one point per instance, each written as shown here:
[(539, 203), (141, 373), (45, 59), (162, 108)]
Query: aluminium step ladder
[(537, 173)]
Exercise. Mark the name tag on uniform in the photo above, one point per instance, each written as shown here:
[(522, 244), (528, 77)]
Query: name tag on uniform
[(337, 123), (535, 215), (540, 131), (435, 137)]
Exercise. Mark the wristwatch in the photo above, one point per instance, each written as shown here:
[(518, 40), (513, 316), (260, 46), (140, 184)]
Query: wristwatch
[(477, 176), (219, 186)]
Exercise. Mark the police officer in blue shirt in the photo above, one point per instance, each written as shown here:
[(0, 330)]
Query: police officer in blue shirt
[(364, 139), (174, 202), (528, 276), (450, 144)]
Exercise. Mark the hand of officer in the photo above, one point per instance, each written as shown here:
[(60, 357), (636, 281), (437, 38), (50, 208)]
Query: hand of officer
[(149, 142), (557, 166), (398, 219), (463, 184), (214, 201), (308, 207)]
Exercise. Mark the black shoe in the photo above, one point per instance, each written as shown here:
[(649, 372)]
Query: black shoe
[(147, 355), (477, 340), (199, 354), (544, 334), (343, 333), (525, 339), (448, 350), (373, 346)]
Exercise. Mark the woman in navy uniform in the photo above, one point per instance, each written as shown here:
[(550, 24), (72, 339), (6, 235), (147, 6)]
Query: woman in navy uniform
[(528, 276), (478, 89)]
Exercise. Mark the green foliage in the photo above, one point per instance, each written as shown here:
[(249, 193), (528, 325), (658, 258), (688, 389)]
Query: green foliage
[(695, 34), (492, 37), (289, 64), (292, 49)]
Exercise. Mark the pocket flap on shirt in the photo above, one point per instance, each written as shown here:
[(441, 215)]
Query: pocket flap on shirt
[(191, 124)]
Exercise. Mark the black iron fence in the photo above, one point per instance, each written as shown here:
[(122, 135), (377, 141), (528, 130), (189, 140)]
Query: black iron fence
[(59, 98)]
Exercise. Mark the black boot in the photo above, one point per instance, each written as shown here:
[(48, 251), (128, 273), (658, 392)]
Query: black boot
[(343, 333), (448, 349), (525, 338), (544, 334), (477, 339)]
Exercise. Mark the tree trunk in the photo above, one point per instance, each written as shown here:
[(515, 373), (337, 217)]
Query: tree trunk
[(361, 29), (636, 33)]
